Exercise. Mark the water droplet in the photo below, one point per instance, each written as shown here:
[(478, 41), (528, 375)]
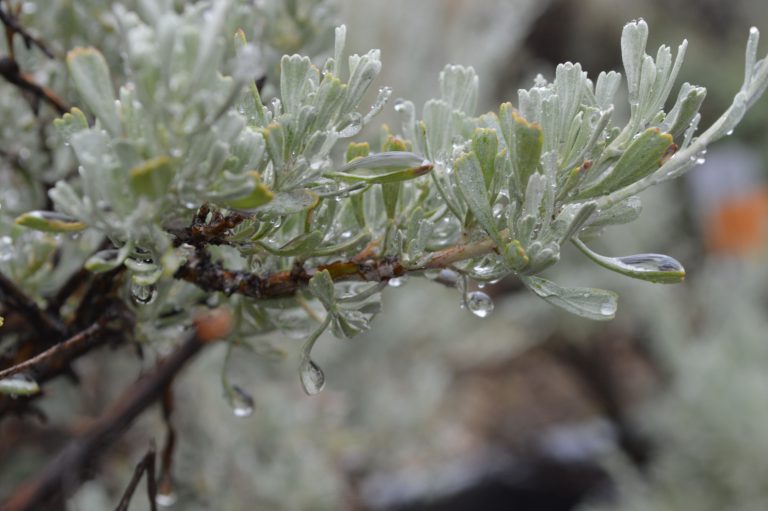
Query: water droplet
[(608, 308), (143, 295), (6, 248), (729, 132), (277, 107), (480, 304), (241, 401), (166, 499), (312, 377), (397, 281), (400, 105)]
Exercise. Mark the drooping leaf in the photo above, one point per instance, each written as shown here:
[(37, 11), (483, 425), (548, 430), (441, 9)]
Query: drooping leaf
[(590, 303), (108, 259), (321, 287), (658, 268)]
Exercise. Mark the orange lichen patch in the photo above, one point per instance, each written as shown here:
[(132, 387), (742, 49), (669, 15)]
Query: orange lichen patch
[(213, 325), (740, 225)]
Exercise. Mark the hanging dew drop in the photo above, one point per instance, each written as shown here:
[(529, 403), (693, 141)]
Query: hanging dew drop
[(729, 132), (6, 248), (166, 498), (312, 377), (480, 304), (143, 295), (608, 309), (397, 281), (242, 402)]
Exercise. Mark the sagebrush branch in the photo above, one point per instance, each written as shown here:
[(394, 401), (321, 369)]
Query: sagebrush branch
[(49, 356), (44, 323), (10, 70), (366, 267), (12, 26)]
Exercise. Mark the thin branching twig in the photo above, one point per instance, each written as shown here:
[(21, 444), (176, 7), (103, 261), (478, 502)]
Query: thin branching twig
[(145, 465)]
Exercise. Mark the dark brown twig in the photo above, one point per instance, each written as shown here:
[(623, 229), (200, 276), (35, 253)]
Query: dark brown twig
[(50, 355), (211, 276), (12, 26), (45, 324), (146, 464), (10, 70), (208, 232), (165, 484), (72, 284)]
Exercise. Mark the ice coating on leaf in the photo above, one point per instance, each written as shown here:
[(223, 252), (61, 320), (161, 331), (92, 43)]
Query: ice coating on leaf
[(312, 377), (657, 268), (589, 303), (241, 402), (18, 385)]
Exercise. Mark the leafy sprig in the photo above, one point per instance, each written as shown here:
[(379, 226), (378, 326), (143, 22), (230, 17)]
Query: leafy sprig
[(284, 229)]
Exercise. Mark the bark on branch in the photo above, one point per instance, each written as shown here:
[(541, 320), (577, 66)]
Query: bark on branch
[(63, 475)]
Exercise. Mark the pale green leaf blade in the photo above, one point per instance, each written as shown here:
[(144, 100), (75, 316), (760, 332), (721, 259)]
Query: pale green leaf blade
[(94, 84), (589, 303), (658, 268), (472, 186)]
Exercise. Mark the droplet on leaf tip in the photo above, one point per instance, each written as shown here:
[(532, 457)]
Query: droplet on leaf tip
[(312, 377), (480, 304), (242, 402)]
